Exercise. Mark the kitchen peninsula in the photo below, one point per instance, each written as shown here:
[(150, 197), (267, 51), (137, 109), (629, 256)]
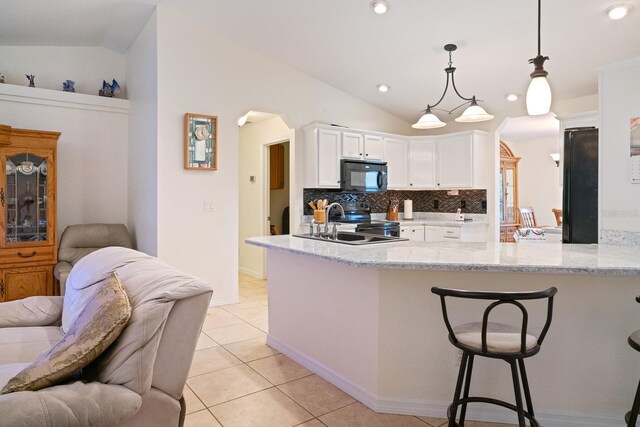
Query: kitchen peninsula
[(364, 319)]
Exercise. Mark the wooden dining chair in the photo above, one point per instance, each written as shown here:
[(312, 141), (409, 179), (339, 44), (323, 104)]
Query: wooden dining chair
[(528, 218), (558, 215)]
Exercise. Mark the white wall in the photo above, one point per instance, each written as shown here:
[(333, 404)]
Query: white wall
[(619, 88), (538, 177), (252, 139), (142, 70), (91, 159), (228, 81), (52, 65)]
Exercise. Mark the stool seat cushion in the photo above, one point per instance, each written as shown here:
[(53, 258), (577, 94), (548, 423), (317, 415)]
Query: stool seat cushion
[(501, 338)]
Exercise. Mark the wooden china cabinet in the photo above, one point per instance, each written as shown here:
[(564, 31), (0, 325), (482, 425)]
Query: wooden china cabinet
[(508, 182), (27, 212)]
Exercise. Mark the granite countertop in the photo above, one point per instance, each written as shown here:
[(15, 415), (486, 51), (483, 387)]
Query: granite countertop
[(455, 256)]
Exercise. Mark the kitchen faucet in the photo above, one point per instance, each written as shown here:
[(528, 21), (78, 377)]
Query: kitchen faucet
[(326, 221)]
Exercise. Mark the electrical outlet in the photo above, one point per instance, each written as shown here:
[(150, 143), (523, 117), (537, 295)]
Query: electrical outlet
[(463, 204), (484, 204), (208, 206), (436, 204)]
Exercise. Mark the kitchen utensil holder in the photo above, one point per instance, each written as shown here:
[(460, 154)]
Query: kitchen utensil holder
[(320, 216)]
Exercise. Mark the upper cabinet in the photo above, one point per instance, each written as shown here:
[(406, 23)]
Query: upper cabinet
[(322, 157), (422, 164), (396, 153), (454, 161)]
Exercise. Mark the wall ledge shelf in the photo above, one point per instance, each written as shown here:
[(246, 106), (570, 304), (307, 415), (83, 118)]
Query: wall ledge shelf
[(58, 98)]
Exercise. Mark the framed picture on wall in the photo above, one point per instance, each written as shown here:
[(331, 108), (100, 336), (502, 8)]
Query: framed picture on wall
[(200, 142)]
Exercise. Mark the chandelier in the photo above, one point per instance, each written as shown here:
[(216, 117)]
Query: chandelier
[(473, 113), (539, 92)]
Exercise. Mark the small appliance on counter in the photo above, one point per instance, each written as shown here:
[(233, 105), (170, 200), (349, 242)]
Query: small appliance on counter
[(459, 215), (359, 213)]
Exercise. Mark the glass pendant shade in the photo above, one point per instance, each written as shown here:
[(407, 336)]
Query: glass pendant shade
[(538, 96), (474, 113), (428, 121)]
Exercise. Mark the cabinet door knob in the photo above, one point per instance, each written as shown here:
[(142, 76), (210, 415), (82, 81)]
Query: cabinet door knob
[(361, 154), (367, 154)]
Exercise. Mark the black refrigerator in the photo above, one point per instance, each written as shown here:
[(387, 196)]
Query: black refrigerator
[(580, 186)]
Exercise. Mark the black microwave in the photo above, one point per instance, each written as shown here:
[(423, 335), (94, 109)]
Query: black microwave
[(363, 177)]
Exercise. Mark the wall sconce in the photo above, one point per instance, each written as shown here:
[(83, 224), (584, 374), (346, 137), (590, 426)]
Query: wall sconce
[(556, 158)]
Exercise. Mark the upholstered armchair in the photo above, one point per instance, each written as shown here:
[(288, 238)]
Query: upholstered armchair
[(80, 240), (138, 380)]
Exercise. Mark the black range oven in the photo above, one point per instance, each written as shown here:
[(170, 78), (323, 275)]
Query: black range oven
[(359, 213)]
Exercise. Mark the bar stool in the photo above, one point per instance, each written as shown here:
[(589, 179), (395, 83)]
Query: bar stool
[(631, 416), (498, 341)]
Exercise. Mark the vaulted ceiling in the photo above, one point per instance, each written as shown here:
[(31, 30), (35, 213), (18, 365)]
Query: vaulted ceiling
[(343, 43)]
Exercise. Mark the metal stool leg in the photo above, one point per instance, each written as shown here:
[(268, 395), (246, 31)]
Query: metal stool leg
[(516, 389), (633, 415), (525, 386), (453, 409), (467, 383)]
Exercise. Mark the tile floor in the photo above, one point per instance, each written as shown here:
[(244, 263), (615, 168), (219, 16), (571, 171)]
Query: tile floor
[(236, 380)]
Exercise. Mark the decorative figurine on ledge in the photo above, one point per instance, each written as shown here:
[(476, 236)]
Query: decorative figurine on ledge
[(67, 86), (1, 78), (109, 90), (32, 80)]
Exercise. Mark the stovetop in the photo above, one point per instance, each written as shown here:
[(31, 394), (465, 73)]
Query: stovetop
[(358, 213)]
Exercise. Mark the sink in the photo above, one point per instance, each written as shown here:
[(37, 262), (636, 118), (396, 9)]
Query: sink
[(355, 238)]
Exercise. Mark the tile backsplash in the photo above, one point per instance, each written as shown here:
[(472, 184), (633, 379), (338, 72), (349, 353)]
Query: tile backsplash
[(470, 201)]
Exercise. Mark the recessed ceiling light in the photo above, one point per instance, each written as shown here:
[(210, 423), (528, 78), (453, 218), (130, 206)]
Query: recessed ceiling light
[(619, 11), (512, 97), (383, 88), (379, 6)]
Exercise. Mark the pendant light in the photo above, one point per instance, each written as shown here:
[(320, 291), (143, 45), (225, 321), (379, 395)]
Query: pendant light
[(474, 113), (539, 92)]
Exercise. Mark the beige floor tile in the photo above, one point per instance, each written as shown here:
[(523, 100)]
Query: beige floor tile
[(254, 292), (261, 283), (262, 324), (233, 333), (279, 369), (201, 419), (248, 285), (316, 395), (434, 422), (358, 415), (267, 408), (217, 317), (252, 313), (251, 349), (241, 306), (212, 359), (242, 277), (204, 341), (312, 423), (192, 402), (226, 384)]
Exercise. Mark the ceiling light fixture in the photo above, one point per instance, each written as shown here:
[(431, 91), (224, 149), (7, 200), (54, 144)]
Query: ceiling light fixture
[(619, 11), (473, 113), (379, 6), (539, 92), (512, 97), (383, 88)]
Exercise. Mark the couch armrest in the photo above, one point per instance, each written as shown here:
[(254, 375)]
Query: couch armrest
[(32, 311), (74, 405), (61, 272)]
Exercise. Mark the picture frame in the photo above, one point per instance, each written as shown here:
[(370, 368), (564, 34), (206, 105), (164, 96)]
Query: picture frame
[(200, 142)]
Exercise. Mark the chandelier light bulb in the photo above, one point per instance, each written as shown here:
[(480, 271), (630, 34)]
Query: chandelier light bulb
[(474, 113), (538, 97)]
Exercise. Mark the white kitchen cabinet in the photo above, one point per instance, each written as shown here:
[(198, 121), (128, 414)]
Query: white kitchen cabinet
[(322, 157), (417, 233), (405, 232), (432, 233), (373, 147), (352, 145), (397, 158), (422, 164), (455, 162)]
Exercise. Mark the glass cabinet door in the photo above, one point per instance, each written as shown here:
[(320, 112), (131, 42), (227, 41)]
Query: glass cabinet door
[(26, 198)]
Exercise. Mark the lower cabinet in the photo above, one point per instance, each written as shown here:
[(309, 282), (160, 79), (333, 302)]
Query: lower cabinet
[(417, 233), (432, 234), (22, 282), (436, 233)]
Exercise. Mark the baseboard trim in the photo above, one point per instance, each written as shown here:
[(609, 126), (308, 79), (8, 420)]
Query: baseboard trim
[(251, 273), (224, 301), (437, 409)]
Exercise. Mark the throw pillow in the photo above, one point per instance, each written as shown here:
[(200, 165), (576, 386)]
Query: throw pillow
[(99, 324)]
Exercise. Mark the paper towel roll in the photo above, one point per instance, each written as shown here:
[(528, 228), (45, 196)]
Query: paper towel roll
[(408, 209)]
